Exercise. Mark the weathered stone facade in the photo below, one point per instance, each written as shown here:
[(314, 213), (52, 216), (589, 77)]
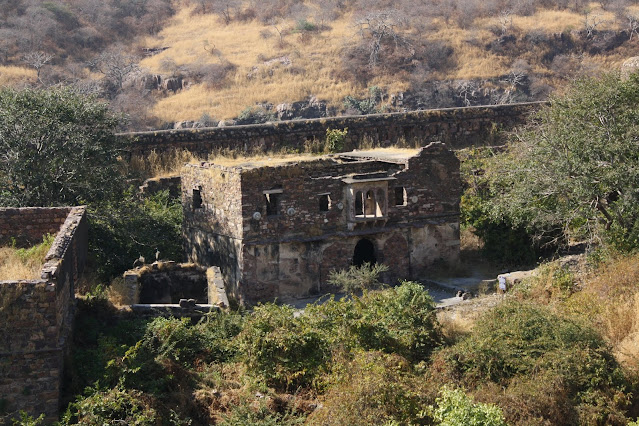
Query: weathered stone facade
[(36, 315), (276, 228), (457, 127)]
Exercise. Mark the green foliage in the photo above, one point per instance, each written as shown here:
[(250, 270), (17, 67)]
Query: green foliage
[(305, 25), (358, 278), (335, 139), (39, 251), (574, 169), (455, 408), (503, 242), (114, 406), (59, 148), (254, 115), (248, 414), (397, 320), (27, 420), (120, 232), (367, 105), (289, 351), (281, 347)]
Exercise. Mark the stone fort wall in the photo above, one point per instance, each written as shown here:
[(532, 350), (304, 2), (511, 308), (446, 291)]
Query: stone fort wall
[(36, 315), (457, 127)]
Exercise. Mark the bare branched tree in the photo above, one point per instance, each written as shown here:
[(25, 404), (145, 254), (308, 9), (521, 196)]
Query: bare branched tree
[(37, 60), (591, 22), (382, 27), (505, 21), (116, 66)]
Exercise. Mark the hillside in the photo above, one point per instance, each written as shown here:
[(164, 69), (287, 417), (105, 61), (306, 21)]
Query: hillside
[(162, 62)]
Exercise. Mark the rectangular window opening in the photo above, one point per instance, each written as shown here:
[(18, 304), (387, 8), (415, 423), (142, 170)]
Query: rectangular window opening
[(197, 198), (324, 202), (400, 196), (272, 204)]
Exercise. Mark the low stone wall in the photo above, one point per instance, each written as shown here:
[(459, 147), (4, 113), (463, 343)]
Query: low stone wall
[(457, 127), (27, 226), (36, 318)]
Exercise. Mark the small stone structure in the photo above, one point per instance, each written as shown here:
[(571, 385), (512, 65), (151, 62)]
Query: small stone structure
[(169, 283), (36, 316), (276, 228)]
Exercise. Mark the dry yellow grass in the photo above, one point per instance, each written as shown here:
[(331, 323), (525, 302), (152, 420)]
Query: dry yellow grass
[(12, 76), (155, 165), (315, 59), (23, 264)]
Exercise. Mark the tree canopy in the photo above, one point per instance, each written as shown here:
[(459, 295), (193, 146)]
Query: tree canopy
[(575, 169), (56, 148)]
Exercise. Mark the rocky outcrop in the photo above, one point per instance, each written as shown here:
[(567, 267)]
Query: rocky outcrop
[(311, 108)]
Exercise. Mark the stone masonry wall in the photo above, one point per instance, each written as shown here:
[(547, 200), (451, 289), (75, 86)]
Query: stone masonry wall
[(36, 318), (28, 225), (457, 127), (266, 254)]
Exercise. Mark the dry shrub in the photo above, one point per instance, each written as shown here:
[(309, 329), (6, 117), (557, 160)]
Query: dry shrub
[(168, 163), (24, 264), (609, 299), (372, 388)]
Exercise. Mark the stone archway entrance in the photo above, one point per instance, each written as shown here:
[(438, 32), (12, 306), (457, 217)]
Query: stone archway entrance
[(364, 253)]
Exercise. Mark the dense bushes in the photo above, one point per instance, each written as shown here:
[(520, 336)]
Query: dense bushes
[(377, 357), (538, 359)]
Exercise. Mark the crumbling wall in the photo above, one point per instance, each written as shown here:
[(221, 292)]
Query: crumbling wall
[(457, 127), (36, 317)]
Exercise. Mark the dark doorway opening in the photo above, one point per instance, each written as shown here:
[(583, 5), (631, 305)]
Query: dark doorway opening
[(364, 253)]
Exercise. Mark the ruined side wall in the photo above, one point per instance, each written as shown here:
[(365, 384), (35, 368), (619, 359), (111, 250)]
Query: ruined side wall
[(28, 225), (36, 323), (457, 127), (212, 233)]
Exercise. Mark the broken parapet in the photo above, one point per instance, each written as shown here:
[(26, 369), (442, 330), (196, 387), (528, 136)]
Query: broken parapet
[(217, 291)]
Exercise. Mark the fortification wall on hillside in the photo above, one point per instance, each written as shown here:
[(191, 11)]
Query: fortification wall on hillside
[(456, 127)]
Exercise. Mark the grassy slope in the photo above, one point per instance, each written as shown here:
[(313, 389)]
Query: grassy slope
[(316, 59)]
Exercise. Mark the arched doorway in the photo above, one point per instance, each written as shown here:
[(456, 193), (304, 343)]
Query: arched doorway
[(364, 253)]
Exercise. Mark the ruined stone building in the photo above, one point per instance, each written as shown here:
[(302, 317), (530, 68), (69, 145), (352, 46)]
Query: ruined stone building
[(277, 227), (36, 315)]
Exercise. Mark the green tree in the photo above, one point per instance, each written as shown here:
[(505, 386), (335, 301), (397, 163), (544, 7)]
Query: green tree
[(56, 148), (575, 168)]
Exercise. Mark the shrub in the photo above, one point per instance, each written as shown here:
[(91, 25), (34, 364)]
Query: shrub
[(371, 388), (516, 342), (282, 348), (358, 278), (254, 115), (455, 408), (335, 139), (119, 233), (114, 406), (398, 320)]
